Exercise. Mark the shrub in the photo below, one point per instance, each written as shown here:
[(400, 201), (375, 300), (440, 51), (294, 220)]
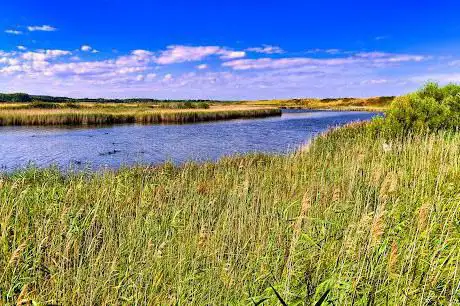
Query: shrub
[(431, 108), (202, 105), (44, 105), (188, 105), (72, 105), (183, 105)]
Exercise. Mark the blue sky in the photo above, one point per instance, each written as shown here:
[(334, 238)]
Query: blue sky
[(227, 50)]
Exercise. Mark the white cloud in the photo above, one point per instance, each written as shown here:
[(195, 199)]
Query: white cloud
[(22, 48), (13, 32), (266, 49), (270, 63), (180, 54), (56, 53), (382, 57), (44, 28), (374, 82), (43, 55), (135, 59), (371, 54), (225, 54), (370, 58), (142, 53), (332, 51), (327, 51), (86, 48), (57, 72), (202, 66)]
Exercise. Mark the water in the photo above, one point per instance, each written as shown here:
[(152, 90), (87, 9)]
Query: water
[(119, 145)]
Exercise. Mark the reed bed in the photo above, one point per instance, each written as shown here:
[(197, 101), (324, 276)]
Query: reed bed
[(339, 104), (353, 219), (121, 115)]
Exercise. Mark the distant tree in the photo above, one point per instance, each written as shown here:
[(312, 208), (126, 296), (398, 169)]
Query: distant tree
[(15, 97)]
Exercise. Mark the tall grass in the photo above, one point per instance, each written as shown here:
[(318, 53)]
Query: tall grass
[(98, 116), (341, 104), (351, 219)]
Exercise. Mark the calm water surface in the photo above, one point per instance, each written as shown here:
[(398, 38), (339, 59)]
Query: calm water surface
[(119, 145)]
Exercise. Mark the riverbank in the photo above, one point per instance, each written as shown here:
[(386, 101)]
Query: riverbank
[(374, 104), (99, 114), (354, 217)]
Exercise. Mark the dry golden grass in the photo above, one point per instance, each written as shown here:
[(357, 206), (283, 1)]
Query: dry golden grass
[(87, 114), (362, 104)]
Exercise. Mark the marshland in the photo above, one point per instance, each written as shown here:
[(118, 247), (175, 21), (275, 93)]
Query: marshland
[(48, 113), (22, 109), (364, 214)]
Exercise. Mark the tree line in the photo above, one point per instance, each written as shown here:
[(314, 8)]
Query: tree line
[(23, 97)]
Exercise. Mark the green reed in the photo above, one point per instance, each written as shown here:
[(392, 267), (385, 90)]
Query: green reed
[(352, 218)]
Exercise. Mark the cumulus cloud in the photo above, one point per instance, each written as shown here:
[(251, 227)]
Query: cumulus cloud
[(22, 48), (13, 32), (86, 48), (61, 65), (142, 53), (225, 54), (43, 55), (180, 54), (58, 72), (266, 49), (43, 28)]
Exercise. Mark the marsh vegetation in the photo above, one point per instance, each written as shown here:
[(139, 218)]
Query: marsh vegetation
[(346, 104), (47, 113), (366, 214)]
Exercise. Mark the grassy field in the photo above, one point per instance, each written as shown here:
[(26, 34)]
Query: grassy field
[(91, 113), (358, 104), (352, 219), (112, 113)]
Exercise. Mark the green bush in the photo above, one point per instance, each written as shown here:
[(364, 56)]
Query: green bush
[(72, 105), (188, 105), (183, 105), (202, 105), (431, 108), (44, 105)]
